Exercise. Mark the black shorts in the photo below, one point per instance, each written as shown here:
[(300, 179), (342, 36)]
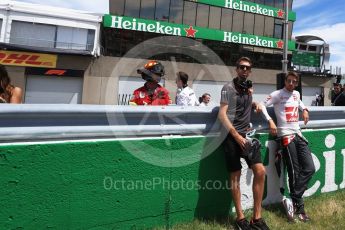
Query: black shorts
[(233, 154)]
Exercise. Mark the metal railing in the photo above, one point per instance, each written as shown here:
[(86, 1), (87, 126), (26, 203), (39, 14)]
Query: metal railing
[(64, 122)]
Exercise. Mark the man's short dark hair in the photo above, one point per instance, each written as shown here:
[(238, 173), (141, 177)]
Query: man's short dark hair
[(292, 73), (183, 77), (244, 59)]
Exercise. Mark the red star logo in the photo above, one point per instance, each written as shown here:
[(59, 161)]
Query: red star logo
[(190, 32), (280, 44), (280, 13)]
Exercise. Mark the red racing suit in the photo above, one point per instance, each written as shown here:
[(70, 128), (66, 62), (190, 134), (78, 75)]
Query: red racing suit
[(144, 96)]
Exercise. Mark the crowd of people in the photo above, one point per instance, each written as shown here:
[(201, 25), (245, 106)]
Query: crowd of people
[(152, 93), (236, 104), (234, 113)]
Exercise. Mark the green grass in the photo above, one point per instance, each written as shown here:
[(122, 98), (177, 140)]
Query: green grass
[(327, 211)]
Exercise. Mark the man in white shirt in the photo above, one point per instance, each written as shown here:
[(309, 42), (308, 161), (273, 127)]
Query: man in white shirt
[(185, 95), (296, 153)]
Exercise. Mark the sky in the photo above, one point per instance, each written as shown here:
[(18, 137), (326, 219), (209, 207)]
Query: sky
[(325, 19), (95, 6), (322, 18)]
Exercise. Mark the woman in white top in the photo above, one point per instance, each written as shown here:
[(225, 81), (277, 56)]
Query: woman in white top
[(205, 99), (185, 95)]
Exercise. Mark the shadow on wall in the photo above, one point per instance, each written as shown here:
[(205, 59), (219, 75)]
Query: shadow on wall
[(214, 197)]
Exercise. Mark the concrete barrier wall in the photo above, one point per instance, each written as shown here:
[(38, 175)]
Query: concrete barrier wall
[(128, 184)]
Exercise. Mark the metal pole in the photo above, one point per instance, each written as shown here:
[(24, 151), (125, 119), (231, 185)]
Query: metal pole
[(285, 60)]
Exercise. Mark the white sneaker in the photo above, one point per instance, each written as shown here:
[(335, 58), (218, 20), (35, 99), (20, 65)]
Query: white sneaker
[(289, 209)]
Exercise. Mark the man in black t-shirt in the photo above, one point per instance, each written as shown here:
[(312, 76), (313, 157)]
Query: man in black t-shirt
[(338, 98), (234, 114)]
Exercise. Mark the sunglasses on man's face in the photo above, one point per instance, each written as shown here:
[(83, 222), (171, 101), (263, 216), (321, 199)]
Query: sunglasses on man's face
[(244, 67), (292, 81)]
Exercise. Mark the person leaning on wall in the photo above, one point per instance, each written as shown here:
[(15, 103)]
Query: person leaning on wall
[(8, 92), (236, 105)]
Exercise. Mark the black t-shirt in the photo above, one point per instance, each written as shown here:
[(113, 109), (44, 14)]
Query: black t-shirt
[(239, 106), (339, 99)]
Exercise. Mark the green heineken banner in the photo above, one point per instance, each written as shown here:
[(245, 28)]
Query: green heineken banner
[(306, 59), (250, 7), (151, 26)]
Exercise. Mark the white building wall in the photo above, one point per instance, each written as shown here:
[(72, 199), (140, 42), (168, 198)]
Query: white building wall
[(26, 12)]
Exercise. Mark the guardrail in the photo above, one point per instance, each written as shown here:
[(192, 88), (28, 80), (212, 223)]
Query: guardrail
[(42, 122)]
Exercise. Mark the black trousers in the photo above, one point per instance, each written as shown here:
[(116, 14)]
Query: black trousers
[(300, 167)]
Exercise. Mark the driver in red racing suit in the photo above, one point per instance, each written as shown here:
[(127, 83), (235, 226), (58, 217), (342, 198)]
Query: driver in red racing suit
[(151, 93)]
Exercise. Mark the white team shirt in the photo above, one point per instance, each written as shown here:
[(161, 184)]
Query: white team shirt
[(186, 97), (286, 108)]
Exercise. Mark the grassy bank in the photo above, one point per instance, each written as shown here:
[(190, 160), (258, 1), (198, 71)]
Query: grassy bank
[(327, 212)]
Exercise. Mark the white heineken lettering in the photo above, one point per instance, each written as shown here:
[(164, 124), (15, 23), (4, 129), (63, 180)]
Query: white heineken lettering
[(272, 181), (177, 31), (127, 25), (228, 4), (116, 22), (255, 41), (258, 41), (313, 188), (246, 182), (156, 27), (236, 6), (159, 28), (269, 44), (330, 184), (142, 26), (342, 185), (151, 28), (328, 172), (134, 24), (235, 39), (330, 159), (227, 37), (256, 9), (168, 30)]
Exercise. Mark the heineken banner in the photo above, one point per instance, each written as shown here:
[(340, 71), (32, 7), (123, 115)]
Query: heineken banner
[(151, 26), (306, 59), (250, 7)]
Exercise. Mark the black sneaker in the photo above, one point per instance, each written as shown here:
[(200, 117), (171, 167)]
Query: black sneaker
[(259, 224), (242, 224), (300, 213)]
